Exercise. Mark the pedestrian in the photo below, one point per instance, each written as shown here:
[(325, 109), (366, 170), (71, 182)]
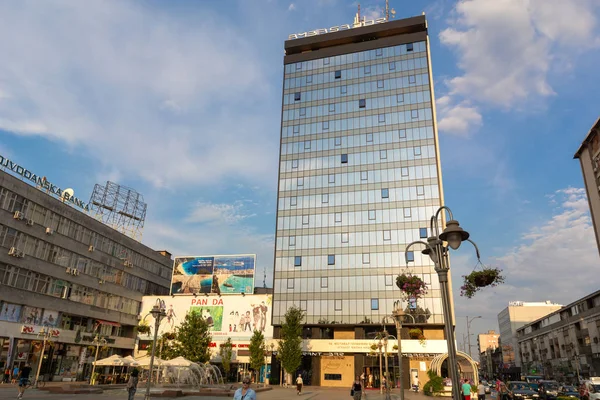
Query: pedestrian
[(6, 374), (299, 384), (15, 374), (132, 383), (466, 389), (584, 393), (504, 393), (362, 378), (480, 391), (23, 379), (356, 391), (542, 391), (245, 392)]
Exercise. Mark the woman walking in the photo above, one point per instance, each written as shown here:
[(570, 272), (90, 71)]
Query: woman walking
[(357, 389), (132, 384), (245, 393)]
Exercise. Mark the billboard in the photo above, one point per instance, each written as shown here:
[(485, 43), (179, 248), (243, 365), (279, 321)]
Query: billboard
[(213, 274), (236, 317)]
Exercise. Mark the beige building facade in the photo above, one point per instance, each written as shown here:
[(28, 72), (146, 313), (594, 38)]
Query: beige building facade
[(589, 159), (487, 340)]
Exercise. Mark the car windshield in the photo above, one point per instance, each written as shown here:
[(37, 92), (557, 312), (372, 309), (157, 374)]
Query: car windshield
[(534, 386), (551, 385), (519, 386), (596, 388), (568, 388)]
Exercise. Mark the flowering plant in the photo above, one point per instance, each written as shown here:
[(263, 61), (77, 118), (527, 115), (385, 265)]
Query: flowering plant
[(416, 333), (143, 328), (479, 279), (412, 286)]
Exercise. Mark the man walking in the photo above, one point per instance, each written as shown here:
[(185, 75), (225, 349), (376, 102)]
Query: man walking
[(466, 389), (132, 384), (299, 384), (23, 379), (480, 391)]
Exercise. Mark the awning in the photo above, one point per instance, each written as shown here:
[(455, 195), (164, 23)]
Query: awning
[(101, 322)]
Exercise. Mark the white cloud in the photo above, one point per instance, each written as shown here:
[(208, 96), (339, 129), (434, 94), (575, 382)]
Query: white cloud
[(460, 119), (292, 7), (207, 213), (156, 97), (372, 12)]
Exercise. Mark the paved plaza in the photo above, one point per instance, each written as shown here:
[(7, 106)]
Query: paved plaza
[(278, 393)]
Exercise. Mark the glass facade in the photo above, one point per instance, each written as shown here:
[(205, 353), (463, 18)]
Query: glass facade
[(358, 181)]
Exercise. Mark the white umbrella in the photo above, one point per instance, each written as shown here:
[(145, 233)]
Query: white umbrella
[(145, 361), (114, 360), (130, 361), (178, 362)]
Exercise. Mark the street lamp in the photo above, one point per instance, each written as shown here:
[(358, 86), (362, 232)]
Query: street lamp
[(437, 248), (158, 313), (45, 333), (98, 341), (398, 314), (380, 345), (469, 332)]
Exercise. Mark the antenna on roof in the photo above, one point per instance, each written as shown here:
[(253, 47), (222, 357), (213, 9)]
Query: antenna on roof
[(388, 11)]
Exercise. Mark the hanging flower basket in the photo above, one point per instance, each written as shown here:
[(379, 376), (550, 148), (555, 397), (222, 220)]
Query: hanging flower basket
[(411, 285), (480, 279), (373, 347), (416, 333), (169, 336), (143, 329), (395, 347)]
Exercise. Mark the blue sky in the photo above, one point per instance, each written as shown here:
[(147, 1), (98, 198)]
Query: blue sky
[(181, 100)]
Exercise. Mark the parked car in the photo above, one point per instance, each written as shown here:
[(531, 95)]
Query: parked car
[(551, 389), (568, 391), (522, 391)]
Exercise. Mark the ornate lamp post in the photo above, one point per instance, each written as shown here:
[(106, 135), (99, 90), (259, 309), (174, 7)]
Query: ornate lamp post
[(469, 320), (46, 334), (398, 314), (98, 341), (379, 346), (437, 247), (158, 313)]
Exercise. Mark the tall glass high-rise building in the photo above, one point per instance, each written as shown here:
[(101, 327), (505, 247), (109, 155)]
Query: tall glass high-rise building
[(359, 178)]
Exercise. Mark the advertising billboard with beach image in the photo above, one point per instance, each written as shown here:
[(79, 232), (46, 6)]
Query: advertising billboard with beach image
[(214, 274)]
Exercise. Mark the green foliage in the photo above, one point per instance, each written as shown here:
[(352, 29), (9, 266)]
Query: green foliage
[(290, 345), (479, 279), (257, 351), (192, 339), (434, 385), (226, 353)]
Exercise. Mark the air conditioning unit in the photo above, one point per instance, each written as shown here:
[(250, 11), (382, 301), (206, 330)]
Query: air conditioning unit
[(101, 281), (75, 272), (128, 264), (18, 215), (68, 270), (13, 251), (49, 231), (30, 222), (91, 248)]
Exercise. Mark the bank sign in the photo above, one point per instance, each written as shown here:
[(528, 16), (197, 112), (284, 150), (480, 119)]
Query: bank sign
[(42, 182), (345, 27)]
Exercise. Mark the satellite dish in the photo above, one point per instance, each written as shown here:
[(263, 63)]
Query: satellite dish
[(67, 193)]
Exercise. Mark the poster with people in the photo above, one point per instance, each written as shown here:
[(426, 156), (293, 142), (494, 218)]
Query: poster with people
[(10, 312), (50, 318), (232, 316), (31, 315)]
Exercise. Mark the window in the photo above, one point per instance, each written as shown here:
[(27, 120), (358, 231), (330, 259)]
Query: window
[(300, 182), (325, 125), (383, 154), (302, 305), (309, 79), (410, 256), (407, 213), (307, 145), (298, 66), (344, 158), (305, 220), (337, 307), (324, 282), (344, 89), (345, 237), (400, 98), (369, 137), (378, 52), (332, 107), (296, 129), (420, 190), (417, 150), (404, 171), (366, 258), (338, 217), (290, 283), (325, 198), (414, 114), (292, 241), (297, 261), (338, 141), (293, 201), (381, 118), (362, 103), (334, 377), (294, 163), (331, 259), (338, 74), (364, 175), (423, 233), (385, 193), (297, 96), (380, 84), (402, 133), (326, 61), (372, 215), (409, 47), (367, 69), (303, 111), (392, 66), (412, 79), (374, 304), (387, 235), (389, 280), (331, 178)]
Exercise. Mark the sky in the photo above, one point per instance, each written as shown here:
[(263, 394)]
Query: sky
[(181, 100)]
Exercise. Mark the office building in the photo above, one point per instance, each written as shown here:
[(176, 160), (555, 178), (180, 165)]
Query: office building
[(63, 272), (564, 344), (589, 158), (359, 178), (487, 340), (516, 315)]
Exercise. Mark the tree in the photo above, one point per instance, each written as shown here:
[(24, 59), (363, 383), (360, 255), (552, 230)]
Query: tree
[(257, 352), (226, 353), (192, 339), (290, 345)]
